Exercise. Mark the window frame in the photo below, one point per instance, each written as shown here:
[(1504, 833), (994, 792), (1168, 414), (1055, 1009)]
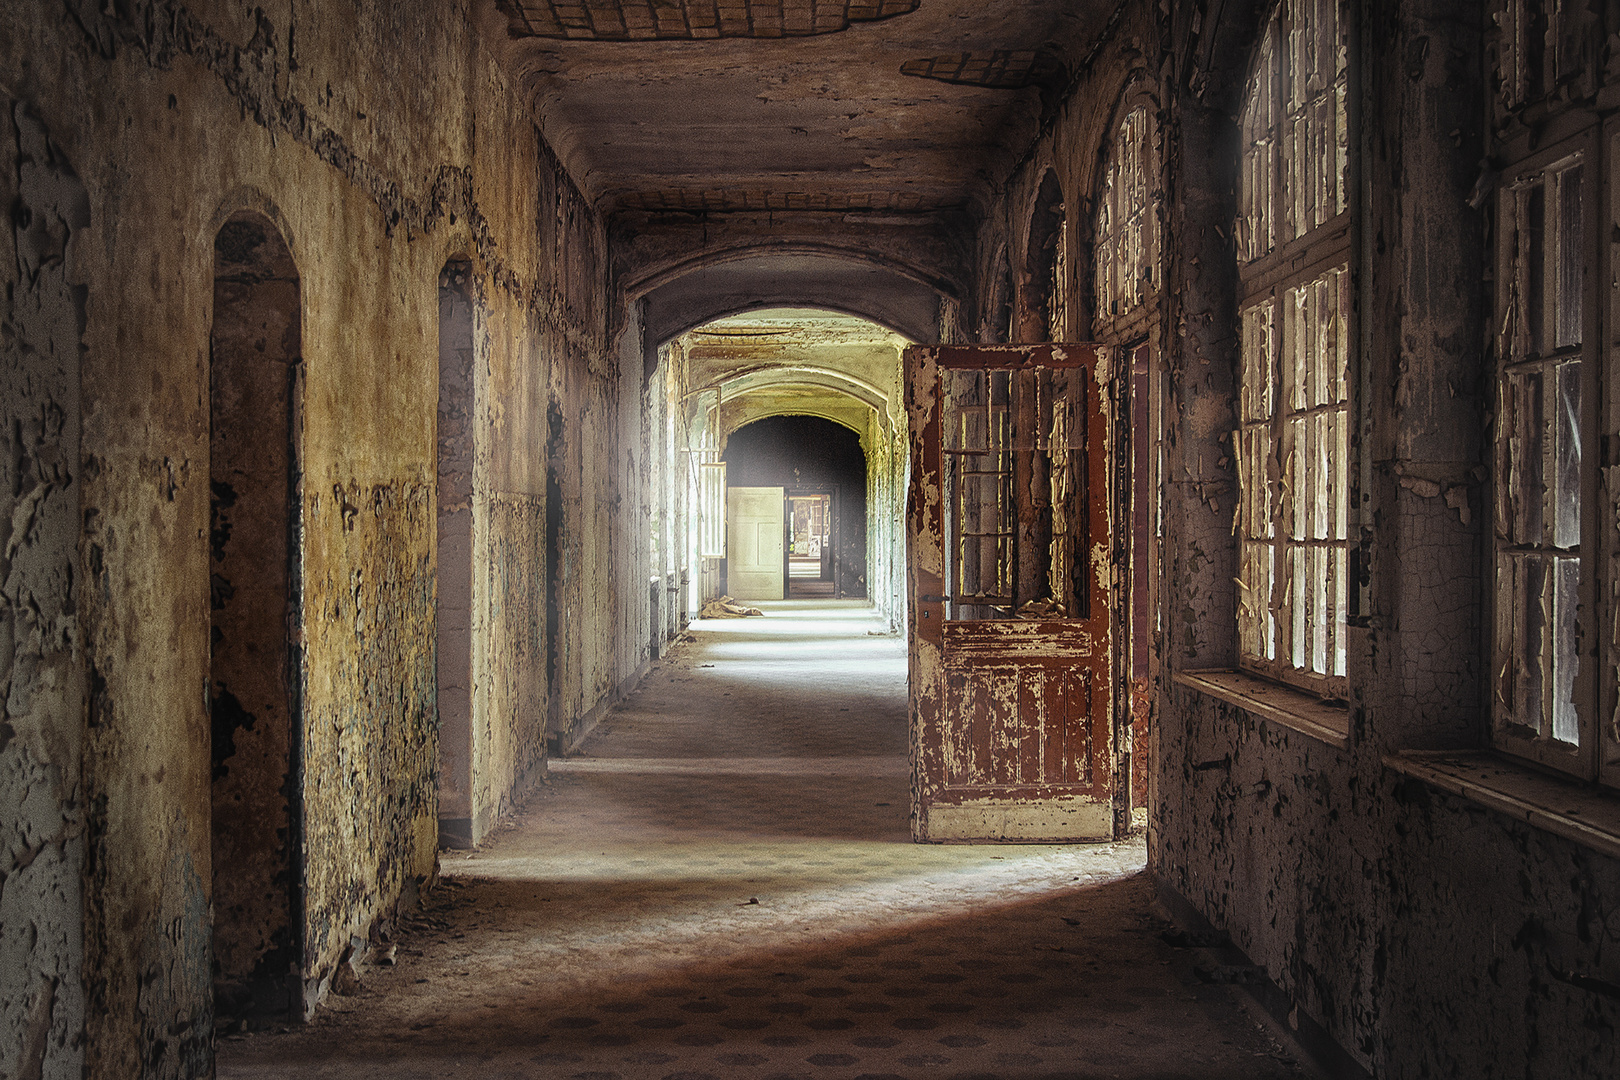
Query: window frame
[(1604, 493), (1133, 322), (1524, 740), (1547, 96), (1290, 262)]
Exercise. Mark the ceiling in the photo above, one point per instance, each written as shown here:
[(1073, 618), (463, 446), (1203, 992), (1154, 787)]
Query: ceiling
[(782, 105)]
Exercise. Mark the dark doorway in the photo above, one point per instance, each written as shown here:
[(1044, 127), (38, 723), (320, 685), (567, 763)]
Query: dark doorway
[(810, 458), (455, 516), (812, 533), (254, 382)]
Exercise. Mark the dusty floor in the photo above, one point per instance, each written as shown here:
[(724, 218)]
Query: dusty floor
[(722, 886)]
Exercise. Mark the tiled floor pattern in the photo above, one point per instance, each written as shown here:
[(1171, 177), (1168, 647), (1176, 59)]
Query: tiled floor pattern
[(723, 887)]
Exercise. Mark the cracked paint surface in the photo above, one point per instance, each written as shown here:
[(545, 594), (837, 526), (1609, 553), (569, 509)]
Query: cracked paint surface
[(42, 807)]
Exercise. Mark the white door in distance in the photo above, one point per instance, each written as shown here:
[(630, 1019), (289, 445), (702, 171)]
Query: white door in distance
[(754, 550)]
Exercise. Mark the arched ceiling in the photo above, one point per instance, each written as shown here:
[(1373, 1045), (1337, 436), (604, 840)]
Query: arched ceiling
[(786, 106), (796, 361), (769, 279)]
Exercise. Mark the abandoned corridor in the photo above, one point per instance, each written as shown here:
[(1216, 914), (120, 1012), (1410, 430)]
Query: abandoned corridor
[(722, 884)]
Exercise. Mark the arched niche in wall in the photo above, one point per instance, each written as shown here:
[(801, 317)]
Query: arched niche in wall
[(1042, 311), (254, 392), (457, 825)]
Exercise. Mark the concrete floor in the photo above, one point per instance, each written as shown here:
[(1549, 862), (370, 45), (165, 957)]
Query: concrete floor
[(722, 885)]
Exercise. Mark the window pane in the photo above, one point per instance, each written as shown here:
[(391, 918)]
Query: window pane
[(1296, 462), (1319, 609), (1526, 487), (1253, 447), (1297, 349), (1529, 646), (1255, 624), (1340, 477), (1299, 592), (1566, 486), (1322, 471), (1566, 578), (1571, 265), (1341, 581), (1534, 241)]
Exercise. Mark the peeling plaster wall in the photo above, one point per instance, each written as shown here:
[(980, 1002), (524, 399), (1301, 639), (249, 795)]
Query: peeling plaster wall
[(367, 161), (42, 805), (593, 447)]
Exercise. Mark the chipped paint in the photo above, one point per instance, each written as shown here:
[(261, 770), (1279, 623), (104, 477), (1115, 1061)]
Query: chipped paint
[(1011, 718), (42, 798)]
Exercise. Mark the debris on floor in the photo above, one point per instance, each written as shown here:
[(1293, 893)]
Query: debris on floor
[(726, 608)]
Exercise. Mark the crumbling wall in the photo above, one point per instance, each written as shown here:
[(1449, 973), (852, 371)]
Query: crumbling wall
[(367, 160), (597, 617), (42, 809)]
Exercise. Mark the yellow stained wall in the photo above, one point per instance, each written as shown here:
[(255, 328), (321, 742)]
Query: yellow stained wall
[(376, 162)]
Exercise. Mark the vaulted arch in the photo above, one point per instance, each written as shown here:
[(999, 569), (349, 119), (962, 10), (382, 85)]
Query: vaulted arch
[(702, 293)]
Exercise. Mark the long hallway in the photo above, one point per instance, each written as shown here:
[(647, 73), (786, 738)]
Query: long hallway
[(722, 884)]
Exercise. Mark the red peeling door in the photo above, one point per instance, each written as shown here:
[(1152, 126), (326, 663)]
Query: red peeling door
[(1008, 542)]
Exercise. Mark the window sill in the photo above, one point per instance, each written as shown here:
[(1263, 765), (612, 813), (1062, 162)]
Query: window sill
[(1553, 804), (1280, 704)]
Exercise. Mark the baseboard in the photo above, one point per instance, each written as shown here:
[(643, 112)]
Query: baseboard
[(1312, 1039)]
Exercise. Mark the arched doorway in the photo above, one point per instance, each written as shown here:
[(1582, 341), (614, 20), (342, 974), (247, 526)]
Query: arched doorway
[(820, 470), (255, 368)]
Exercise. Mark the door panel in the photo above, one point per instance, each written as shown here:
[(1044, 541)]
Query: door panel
[(1008, 534), (755, 554)]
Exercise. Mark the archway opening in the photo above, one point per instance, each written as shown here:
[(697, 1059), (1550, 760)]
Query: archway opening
[(796, 367), (820, 471), (255, 369)]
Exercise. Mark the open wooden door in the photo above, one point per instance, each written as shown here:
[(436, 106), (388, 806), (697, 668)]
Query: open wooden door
[(755, 563), (1008, 538)]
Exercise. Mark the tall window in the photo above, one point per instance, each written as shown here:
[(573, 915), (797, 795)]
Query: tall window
[(1127, 252), (1292, 444), (1549, 231)]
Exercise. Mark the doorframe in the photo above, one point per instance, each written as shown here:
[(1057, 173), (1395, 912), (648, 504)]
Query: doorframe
[(829, 564), (1123, 491)]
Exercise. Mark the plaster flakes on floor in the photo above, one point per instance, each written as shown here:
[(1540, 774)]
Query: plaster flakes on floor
[(613, 929)]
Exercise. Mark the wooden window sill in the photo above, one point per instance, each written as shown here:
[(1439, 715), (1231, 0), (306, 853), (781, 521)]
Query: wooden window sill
[(1293, 709), (1566, 807)]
